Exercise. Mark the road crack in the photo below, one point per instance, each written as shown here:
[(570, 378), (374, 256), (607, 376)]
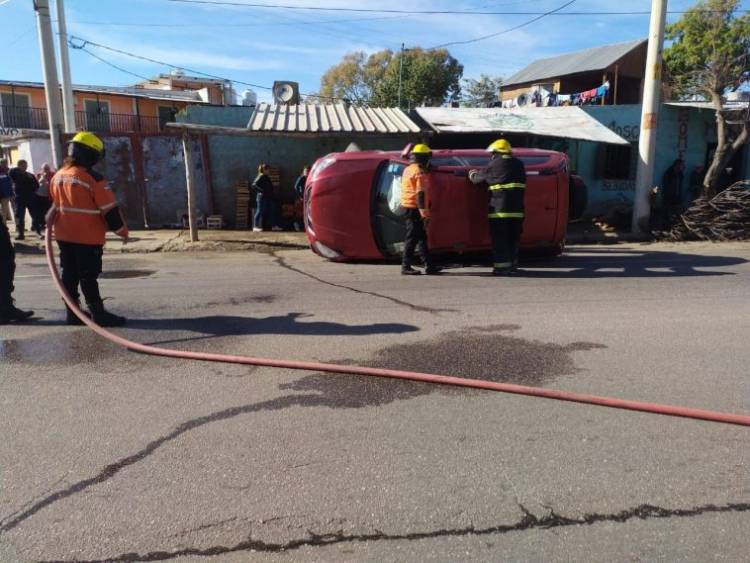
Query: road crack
[(422, 309), (528, 522)]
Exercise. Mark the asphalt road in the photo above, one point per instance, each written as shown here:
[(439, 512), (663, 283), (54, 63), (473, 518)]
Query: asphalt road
[(107, 455)]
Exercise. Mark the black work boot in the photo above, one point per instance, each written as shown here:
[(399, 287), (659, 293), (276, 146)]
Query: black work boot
[(10, 313), (104, 318), (409, 271), (71, 318)]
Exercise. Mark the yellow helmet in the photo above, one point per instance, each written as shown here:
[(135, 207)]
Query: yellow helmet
[(421, 148), (501, 145), (88, 140)]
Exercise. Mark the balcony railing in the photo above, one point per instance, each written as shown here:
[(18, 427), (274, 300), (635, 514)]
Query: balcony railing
[(19, 117)]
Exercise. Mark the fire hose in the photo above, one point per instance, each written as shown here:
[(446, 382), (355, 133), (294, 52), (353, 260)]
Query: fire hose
[(611, 402)]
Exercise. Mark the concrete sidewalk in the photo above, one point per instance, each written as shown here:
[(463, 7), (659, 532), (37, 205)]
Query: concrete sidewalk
[(169, 240)]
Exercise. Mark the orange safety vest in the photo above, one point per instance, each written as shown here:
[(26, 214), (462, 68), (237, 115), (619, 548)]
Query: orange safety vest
[(415, 181), (81, 201)]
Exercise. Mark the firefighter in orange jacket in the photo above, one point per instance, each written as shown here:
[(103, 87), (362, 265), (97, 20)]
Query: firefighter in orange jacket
[(83, 209), (415, 199)]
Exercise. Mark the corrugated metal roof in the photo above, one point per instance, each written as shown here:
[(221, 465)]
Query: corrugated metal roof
[(330, 118), (569, 122), (151, 94), (596, 58)]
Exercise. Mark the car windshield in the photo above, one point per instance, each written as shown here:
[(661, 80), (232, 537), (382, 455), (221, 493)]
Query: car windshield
[(388, 221)]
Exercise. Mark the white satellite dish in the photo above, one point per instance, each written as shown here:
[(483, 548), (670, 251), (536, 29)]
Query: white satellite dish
[(285, 92)]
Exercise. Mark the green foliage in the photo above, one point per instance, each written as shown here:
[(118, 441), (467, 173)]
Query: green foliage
[(710, 50), (428, 77), (481, 93)]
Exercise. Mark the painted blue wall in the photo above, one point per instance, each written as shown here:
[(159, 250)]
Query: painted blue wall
[(682, 132)]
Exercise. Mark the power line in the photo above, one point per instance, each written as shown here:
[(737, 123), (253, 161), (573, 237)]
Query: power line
[(79, 43), (229, 24), (108, 63), (519, 26), (430, 12)]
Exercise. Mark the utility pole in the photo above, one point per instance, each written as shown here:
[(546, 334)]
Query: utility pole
[(190, 180), (51, 86), (649, 116), (67, 86), (400, 73)]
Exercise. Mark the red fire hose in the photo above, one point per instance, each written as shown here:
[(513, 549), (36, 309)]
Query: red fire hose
[(655, 408)]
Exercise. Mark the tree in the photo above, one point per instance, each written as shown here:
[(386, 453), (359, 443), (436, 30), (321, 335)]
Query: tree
[(483, 92), (428, 77), (709, 56)]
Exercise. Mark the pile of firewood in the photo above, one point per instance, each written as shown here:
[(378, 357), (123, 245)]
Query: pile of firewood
[(724, 217)]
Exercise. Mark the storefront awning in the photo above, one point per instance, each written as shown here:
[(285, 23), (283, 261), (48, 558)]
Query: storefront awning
[(569, 122)]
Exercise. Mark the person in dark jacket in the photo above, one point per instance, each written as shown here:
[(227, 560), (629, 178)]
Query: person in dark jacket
[(299, 184), (263, 199), (8, 311), (671, 189), (6, 191), (25, 186), (299, 192), (505, 178)]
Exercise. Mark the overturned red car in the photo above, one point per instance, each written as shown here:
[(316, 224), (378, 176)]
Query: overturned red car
[(352, 203)]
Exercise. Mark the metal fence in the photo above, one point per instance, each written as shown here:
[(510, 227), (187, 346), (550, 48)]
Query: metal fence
[(20, 117)]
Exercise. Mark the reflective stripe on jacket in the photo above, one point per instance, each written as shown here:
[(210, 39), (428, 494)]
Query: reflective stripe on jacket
[(415, 189), (505, 177), (82, 198)]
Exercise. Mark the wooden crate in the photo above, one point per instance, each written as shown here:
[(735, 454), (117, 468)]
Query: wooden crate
[(242, 205)]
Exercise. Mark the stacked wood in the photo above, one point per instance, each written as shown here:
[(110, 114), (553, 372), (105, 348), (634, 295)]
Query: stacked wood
[(274, 173), (242, 205), (724, 217)]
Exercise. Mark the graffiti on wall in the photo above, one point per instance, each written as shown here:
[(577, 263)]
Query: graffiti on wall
[(683, 119), (627, 132), (618, 185)]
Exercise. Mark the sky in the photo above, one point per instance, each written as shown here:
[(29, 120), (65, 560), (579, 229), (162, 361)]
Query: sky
[(259, 45)]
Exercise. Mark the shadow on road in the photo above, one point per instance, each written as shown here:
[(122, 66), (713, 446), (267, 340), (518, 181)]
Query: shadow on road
[(289, 324), (621, 263)]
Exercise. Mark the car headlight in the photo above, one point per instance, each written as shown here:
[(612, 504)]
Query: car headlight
[(320, 166)]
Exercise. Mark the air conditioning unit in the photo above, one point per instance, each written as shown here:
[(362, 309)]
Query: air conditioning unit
[(285, 92)]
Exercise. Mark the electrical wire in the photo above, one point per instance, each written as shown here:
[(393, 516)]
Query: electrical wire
[(79, 43), (106, 62), (230, 24), (508, 30), (428, 12)]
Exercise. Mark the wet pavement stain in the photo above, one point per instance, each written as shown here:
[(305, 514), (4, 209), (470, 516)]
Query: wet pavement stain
[(73, 347), (477, 353), (126, 274)]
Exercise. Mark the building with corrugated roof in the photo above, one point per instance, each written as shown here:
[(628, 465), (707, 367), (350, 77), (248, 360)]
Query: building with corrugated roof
[(620, 64)]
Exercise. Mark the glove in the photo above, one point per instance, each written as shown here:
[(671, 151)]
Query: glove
[(472, 174)]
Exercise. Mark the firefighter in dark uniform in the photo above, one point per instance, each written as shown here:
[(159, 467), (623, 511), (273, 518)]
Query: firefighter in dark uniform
[(415, 199), (505, 178), (8, 311)]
